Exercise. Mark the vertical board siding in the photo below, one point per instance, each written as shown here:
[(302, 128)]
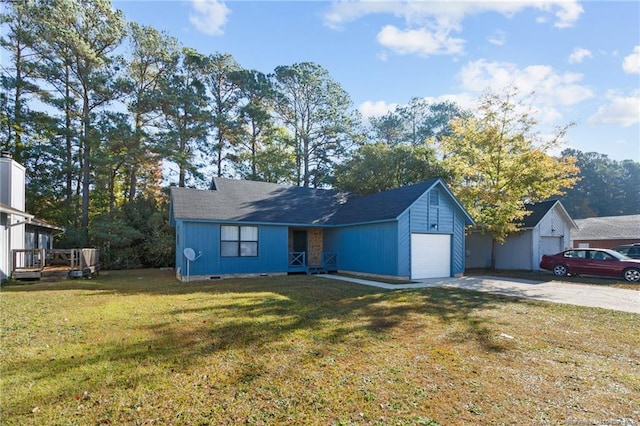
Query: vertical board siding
[(4, 247), (404, 244), (516, 252), (424, 214), (420, 215), (205, 238), (479, 247), (557, 226), (458, 249), (371, 248), (427, 211), (446, 219)]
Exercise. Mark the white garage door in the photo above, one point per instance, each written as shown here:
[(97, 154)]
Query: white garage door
[(550, 245), (430, 256)]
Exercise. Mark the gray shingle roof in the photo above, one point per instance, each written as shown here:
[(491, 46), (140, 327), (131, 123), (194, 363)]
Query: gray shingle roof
[(242, 200), (380, 206), (538, 211), (608, 228)]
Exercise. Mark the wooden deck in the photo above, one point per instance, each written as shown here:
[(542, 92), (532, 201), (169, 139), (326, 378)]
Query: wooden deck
[(36, 264)]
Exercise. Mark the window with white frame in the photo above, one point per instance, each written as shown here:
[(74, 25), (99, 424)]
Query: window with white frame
[(238, 241)]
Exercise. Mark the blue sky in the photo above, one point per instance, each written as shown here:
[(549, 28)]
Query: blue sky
[(582, 59)]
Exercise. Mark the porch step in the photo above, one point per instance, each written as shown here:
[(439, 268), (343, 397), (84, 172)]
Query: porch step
[(318, 269)]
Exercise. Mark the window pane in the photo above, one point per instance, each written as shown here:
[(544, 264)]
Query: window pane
[(229, 249), (229, 233), (249, 233), (248, 249)]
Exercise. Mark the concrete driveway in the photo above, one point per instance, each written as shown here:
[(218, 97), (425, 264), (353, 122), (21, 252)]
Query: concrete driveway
[(616, 299)]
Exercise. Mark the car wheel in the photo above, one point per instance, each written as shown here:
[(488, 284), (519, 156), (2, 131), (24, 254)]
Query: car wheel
[(560, 271), (632, 275)]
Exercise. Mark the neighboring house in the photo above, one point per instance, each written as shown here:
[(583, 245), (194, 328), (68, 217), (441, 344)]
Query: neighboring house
[(39, 234), (546, 230), (607, 232), (18, 229), (241, 227)]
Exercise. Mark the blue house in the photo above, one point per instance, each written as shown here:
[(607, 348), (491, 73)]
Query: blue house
[(245, 228)]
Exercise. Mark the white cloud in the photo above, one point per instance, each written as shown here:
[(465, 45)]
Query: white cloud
[(578, 55), (551, 89), (429, 25), (210, 16), (566, 12), (621, 110), (549, 85), (420, 41), (498, 38), (370, 109), (631, 63)]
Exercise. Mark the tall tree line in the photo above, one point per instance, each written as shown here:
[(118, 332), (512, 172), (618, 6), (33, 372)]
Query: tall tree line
[(106, 113)]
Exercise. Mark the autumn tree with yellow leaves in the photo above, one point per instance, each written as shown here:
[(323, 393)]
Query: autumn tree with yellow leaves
[(498, 163)]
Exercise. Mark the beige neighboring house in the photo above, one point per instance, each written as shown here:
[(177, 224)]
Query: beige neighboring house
[(606, 231), (546, 230)]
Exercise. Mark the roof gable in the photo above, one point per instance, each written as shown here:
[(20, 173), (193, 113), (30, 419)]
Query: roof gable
[(539, 210)]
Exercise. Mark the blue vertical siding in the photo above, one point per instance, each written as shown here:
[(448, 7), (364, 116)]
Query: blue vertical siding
[(370, 248), (424, 214), (205, 237), (458, 249), (420, 218), (404, 244), (376, 248)]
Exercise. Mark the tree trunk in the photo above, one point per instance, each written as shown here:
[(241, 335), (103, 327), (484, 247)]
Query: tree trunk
[(494, 246), (133, 173), (305, 161), (86, 166), (69, 141)]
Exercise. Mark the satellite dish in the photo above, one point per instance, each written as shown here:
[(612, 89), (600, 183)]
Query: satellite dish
[(190, 254)]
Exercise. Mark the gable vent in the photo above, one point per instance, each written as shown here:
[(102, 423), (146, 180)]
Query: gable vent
[(434, 197)]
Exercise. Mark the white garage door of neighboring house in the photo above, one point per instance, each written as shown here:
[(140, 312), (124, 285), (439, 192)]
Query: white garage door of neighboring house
[(430, 256), (550, 245)]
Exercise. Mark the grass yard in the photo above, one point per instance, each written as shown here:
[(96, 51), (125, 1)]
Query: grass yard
[(138, 347)]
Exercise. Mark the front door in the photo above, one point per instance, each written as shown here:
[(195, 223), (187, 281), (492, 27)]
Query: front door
[(299, 241)]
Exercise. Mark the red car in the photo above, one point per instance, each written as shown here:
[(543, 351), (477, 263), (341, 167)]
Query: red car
[(603, 262)]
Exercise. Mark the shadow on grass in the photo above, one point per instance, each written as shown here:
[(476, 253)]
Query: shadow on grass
[(261, 315), (303, 301)]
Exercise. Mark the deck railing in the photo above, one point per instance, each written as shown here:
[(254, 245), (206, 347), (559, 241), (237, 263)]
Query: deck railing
[(298, 262), (329, 261), (29, 259), (80, 261)]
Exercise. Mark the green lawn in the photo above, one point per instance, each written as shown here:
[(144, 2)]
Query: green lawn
[(138, 347)]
